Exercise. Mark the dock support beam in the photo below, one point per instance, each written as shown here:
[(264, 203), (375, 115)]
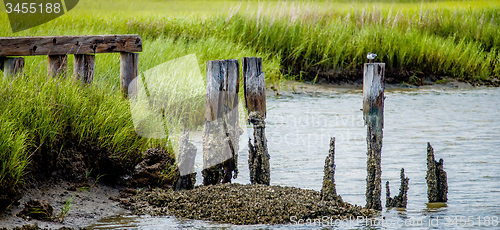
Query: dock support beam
[(84, 66), (129, 70), (373, 114), (12, 67), (57, 65)]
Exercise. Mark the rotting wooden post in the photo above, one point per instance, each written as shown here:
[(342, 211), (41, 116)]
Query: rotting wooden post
[(373, 114), (437, 184), (255, 102), (12, 67), (84, 65), (129, 69), (401, 199), (57, 65), (221, 130), (328, 191)]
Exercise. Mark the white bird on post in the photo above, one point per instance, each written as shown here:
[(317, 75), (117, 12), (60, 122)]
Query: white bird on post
[(371, 56)]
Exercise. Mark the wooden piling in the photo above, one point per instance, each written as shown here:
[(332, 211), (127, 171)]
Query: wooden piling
[(255, 102), (57, 65), (129, 69), (83, 70), (185, 162), (373, 114), (328, 191), (12, 67), (221, 130), (437, 182), (401, 199)]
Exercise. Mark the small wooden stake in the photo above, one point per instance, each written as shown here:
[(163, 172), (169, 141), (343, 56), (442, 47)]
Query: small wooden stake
[(328, 191), (255, 102), (57, 65), (84, 66), (12, 67), (373, 113), (221, 130), (129, 69)]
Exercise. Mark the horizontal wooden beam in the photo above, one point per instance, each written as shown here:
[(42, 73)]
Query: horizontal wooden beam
[(61, 45)]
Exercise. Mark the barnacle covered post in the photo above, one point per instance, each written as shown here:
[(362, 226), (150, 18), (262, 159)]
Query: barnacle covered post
[(373, 114), (221, 130), (328, 191), (255, 102), (437, 185), (401, 199)]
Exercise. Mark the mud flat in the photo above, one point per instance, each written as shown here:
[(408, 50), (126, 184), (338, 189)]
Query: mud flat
[(244, 204)]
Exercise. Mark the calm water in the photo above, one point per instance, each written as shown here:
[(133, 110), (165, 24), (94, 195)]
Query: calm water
[(463, 126)]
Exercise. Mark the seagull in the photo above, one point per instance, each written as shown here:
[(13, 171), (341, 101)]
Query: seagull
[(371, 56)]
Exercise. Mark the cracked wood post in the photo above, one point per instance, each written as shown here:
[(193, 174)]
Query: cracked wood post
[(221, 129), (437, 184), (12, 67), (373, 114), (255, 102), (83, 70), (57, 65), (129, 69)]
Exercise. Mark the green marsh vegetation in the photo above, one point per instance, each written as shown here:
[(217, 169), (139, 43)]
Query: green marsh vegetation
[(297, 39)]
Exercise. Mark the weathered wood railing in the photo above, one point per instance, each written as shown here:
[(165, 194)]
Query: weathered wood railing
[(83, 48)]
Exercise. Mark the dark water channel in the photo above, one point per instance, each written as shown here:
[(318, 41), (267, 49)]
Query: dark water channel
[(463, 126)]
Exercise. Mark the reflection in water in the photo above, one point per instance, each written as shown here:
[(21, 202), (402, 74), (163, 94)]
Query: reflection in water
[(463, 126)]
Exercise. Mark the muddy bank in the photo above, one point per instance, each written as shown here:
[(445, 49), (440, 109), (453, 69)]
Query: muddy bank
[(87, 205), (392, 76), (244, 204)]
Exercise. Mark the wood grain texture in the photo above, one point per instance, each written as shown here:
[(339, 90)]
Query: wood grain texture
[(129, 69), (254, 85), (57, 65), (12, 67), (61, 45), (83, 68)]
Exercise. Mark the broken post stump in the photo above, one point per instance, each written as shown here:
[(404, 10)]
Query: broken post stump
[(57, 65), (437, 185), (129, 69), (373, 114), (221, 130), (12, 67), (328, 191), (83, 69), (185, 162), (401, 199), (255, 102)]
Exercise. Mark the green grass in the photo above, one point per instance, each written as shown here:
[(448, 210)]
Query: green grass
[(453, 39)]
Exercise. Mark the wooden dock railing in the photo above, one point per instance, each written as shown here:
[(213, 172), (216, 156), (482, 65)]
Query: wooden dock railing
[(57, 48)]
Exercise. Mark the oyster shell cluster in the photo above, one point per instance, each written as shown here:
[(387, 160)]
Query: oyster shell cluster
[(244, 204)]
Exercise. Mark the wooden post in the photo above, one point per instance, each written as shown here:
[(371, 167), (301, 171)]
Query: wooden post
[(255, 102), (57, 65), (221, 129), (328, 191), (84, 66), (373, 114), (437, 185), (129, 69), (12, 67)]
